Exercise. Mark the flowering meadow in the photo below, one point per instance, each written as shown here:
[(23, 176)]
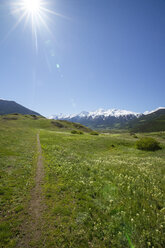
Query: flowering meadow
[(101, 191)]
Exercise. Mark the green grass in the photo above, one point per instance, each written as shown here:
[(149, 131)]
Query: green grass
[(18, 153), (17, 163), (100, 191)]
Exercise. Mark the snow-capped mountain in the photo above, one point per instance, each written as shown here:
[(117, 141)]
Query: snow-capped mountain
[(100, 118), (95, 114), (155, 110), (111, 118)]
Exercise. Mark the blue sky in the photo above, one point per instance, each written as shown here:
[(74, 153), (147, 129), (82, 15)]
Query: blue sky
[(98, 54)]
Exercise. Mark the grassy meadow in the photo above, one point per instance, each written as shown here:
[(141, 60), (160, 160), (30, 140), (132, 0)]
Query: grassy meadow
[(17, 169), (100, 191), (103, 192)]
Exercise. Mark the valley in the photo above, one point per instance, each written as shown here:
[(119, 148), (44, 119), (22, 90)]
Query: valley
[(96, 191), (82, 124), (116, 119)]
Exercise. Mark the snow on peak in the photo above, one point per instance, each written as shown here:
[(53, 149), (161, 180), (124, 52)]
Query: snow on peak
[(62, 116), (111, 112), (83, 114), (59, 116), (150, 112), (94, 114)]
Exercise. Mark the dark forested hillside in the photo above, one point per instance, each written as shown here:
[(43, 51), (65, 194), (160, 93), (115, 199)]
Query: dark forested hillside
[(149, 123), (10, 107)]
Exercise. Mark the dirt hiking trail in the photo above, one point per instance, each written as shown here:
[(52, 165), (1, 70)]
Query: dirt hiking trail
[(32, 229)]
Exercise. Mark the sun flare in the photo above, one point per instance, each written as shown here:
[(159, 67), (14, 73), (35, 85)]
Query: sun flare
[(35, 12), (32, 6)]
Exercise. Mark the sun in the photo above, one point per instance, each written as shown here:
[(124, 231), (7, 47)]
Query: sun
[(32, 6), (35, 12)]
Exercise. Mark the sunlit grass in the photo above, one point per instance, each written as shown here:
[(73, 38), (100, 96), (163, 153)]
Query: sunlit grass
[(18, 154), (102, 192), (17, 164)]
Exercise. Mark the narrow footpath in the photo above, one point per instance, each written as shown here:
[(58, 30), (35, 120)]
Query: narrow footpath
[(32, 228)]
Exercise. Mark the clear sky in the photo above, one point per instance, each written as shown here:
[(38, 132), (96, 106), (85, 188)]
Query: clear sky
[(95, 54)]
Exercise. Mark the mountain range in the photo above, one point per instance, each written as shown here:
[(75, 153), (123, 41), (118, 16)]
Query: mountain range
[(101, 119), (119, 119), (149, 121)]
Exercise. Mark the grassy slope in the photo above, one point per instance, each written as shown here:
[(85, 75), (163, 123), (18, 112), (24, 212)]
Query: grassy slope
[(17, 163), (36, 122), (97, 195), (17, 168), (150, 126), (103, 196), (149, 123)]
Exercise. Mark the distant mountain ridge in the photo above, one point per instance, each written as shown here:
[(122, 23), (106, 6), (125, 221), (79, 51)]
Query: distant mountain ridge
[(100, 119), (10, 107), (108, 119), (149, 122), (155, 110), (97, 113)]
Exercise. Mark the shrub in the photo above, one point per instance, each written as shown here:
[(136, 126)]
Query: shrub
[(80, 132), (10, 118), (76, 132), (57, 124), (35, 117), (94, 133), (148, 144), (133, 135)]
